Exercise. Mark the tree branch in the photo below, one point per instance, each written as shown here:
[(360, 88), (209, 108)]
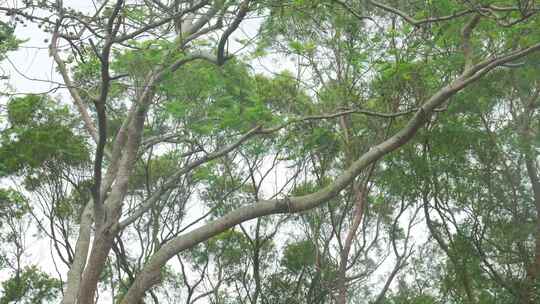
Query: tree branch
[(150, 273), (242, 12), (77, 99), (416, 22), (172, 180)]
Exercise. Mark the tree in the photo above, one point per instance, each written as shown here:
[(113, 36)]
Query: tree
[(165, 114), (478, 190)]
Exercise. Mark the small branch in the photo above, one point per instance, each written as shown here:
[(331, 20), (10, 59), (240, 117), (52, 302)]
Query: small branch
[(172, 180), (194, 27), (77, 99), (416, 22), (342, 113), (160, 22), (353, 11), (242, 12)]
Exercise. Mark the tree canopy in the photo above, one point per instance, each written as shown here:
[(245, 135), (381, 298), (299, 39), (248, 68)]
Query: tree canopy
[(257, 151)]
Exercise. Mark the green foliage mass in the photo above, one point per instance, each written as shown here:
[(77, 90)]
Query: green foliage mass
[(30, 286), (298, 256), (39, 132), (8, 42), (13, 205), (216, 99), (465, 171)]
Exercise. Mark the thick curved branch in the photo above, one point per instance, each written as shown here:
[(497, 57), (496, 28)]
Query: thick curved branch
[(257, 130)]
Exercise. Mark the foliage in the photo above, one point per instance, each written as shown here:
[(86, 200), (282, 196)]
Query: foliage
[(31, 286), (386, 156), (39, 132), (8, 41)]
